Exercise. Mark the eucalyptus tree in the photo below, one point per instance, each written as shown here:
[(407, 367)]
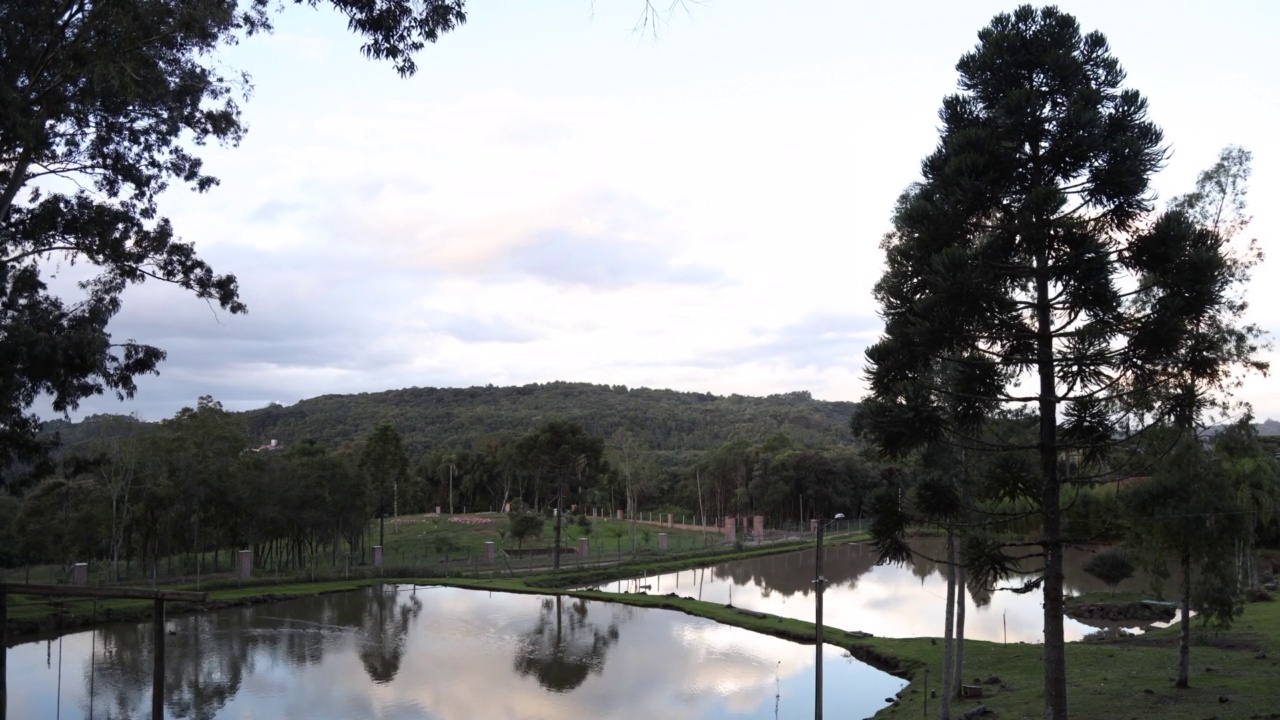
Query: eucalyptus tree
[(200, 449), (1188, 509), (120, 443), (103, 106), (1253, 472), (1200, 505), (632, 459), (1011, 268), (451, 468)]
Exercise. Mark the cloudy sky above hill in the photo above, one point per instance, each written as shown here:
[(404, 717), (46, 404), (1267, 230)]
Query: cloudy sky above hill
[(555, 197)]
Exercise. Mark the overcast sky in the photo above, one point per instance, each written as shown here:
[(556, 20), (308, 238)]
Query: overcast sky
[(555, 197)]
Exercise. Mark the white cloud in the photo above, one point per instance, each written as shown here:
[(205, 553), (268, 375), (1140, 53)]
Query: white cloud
[(549, 199)]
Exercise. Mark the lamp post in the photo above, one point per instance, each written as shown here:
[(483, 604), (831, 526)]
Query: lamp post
[(819, 583)]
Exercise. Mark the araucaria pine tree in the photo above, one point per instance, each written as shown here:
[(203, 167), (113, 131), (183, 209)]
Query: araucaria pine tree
[(1018, 273)]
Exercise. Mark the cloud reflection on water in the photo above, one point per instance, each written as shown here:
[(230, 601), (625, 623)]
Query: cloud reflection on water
[(885, 600), (440, 654)]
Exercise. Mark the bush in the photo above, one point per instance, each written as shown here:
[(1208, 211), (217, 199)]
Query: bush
[(1111, 567), (523, 525)]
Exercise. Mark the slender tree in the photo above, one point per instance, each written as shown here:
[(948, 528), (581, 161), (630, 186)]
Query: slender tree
[(1009, 268), (1188, 510), (383, 461)]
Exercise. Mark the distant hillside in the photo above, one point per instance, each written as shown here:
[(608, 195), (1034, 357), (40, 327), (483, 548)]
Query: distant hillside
[(1268, 427), (676, 424), (667, 420)]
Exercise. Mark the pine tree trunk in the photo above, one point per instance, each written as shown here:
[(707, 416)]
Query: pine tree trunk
[(1055, 658), (948, 657), (1184, 634)]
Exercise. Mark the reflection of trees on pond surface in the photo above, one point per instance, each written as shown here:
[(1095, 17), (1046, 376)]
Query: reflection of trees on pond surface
[(386, 627), (205, 664), (208, 656), (120, 674), (203, 670), (564, 646), (791, 573)]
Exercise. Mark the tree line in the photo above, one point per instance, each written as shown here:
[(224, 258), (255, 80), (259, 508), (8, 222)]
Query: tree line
[(177, 496)]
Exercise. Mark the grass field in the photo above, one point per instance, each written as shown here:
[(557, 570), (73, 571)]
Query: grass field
[(1233, 675), (427, 537), (422, 543)]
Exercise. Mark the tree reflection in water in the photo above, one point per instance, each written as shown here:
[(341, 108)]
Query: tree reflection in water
[(208, 656), (386, 627), (335, 656), (563, 648), (204, 667), (792, 573)]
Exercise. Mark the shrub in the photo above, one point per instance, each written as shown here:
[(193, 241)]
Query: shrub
[(523, 524)]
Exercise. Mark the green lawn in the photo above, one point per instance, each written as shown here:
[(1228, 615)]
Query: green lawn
[(1115, 680), (423, 538), (419, 543)]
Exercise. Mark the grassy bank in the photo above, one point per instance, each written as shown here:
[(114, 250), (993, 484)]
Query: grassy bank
[(1232, 674)]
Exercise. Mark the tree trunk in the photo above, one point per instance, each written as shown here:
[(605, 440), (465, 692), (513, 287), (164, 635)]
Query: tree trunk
[(961, 596), (1055, 659), (1184, 633), (631, 516), (115, 542), (555, 554), (948, 658)]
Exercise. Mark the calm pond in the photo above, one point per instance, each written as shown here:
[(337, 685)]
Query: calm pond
[(399, 652), (884, 600)]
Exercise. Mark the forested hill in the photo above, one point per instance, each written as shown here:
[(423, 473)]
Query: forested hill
[(430, 419), (666, 420)]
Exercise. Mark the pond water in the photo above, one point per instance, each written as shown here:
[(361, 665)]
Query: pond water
[(439, 653), (884, 600)]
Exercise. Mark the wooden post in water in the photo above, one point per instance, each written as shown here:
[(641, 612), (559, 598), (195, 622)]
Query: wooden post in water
[(157, 680)]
